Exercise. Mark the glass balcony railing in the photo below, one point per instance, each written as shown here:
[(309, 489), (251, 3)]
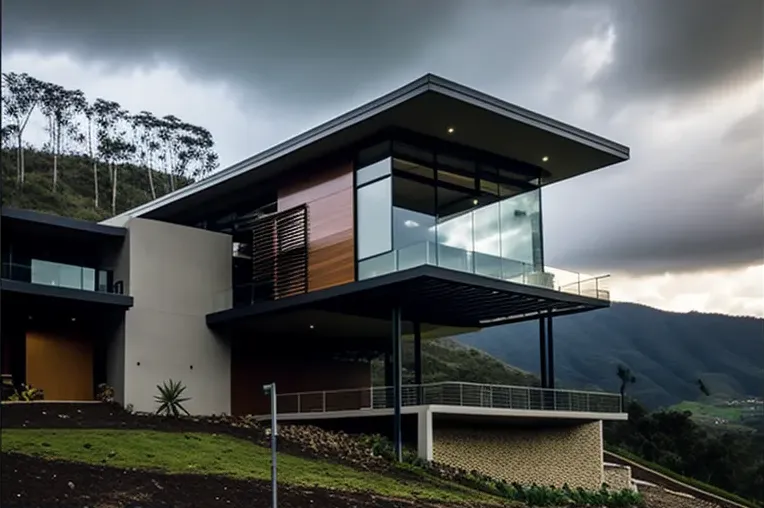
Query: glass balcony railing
[(453, 258), (48, 273)]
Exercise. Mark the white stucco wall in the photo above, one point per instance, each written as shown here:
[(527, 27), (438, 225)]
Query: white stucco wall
[(177, 276)]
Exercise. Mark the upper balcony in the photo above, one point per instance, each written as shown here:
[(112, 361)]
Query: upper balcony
[(419, 207), (48, 259)]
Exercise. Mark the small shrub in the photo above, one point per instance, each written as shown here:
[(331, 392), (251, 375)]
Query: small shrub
[(28, 393), (170, 399), (105, 393)]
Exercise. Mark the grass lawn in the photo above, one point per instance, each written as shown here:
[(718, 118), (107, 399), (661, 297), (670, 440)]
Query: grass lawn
[(709, 411), (217, 454)]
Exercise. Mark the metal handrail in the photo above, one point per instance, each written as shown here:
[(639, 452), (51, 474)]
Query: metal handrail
[(463, 394)]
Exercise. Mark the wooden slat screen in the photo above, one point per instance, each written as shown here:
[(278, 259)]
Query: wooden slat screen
[(280, 253)]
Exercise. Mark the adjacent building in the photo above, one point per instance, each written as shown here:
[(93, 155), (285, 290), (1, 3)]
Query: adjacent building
[(413, 217)]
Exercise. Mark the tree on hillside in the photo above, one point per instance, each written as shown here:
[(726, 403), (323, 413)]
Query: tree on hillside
[(90, 116), (145, 126), (703, 388), (200, 147), (21, 95), (169, 135), (60, 106), (627, 378), (113, 146)]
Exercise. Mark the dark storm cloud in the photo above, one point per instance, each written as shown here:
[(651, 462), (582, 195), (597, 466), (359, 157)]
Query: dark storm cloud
[(655, 213), (681, 46), (303, 51)]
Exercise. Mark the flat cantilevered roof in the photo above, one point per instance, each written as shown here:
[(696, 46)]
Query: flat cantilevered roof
[(431, 106)]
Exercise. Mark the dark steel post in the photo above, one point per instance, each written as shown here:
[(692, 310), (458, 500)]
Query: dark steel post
[(550, 339), (542, 351), (418, 360), (397, 381)]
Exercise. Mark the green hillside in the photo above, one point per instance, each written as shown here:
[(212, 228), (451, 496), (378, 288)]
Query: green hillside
[(667, 352), (75, 195)]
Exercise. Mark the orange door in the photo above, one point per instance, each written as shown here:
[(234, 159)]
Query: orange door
[(61, 366)]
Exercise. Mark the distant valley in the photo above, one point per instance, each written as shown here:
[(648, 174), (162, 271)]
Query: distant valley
[(667, 352)]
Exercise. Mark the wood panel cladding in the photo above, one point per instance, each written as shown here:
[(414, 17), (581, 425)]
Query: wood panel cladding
[(328, 194), (62, 366), (251, 369)]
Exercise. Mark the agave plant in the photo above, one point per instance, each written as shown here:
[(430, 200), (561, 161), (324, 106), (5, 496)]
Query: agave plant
[(170, 398)]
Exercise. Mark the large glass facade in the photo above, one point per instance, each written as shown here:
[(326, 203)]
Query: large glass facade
[(418, 207)]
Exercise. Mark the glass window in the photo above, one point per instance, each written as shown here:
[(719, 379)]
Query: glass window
[(374, 208), (414, 168), (455, 164), (413, 212), (520, 231), (487, 228), (413, 154), (456, 243), (372, 154), (376, 170)]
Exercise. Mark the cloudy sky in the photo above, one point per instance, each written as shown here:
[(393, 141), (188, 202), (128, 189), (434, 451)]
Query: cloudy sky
[(680, 226)]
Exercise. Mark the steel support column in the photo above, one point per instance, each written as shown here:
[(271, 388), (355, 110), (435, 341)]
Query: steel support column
[(418, 360), (550, 351), (397, 382), (542, 351)]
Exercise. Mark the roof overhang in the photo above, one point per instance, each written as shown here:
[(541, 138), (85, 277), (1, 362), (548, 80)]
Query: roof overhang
[(443, 301), (43, 224), (429, 106), (41, 297)]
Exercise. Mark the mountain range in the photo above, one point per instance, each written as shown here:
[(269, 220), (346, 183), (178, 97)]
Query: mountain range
[(667, 352)]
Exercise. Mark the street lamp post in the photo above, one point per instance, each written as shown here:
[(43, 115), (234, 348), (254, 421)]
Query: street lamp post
[(270, 389)]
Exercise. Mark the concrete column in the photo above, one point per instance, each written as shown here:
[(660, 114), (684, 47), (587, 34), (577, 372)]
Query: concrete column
[(424, 433)]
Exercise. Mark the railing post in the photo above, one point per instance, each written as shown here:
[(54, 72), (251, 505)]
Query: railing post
[(588, 403), (461, 394), (299, 404), (529, 398), (323, 401)]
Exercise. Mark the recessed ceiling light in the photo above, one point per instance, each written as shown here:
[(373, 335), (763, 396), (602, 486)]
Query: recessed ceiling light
[(474, 201), (450, 130), (74, 319), (311, 327), (544, 158)]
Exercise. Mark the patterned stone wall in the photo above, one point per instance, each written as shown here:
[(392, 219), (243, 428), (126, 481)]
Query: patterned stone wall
[(545, 456), (618, 477)]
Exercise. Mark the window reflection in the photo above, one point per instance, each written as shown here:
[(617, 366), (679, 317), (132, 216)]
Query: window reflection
[(374, 218), (450, 212)]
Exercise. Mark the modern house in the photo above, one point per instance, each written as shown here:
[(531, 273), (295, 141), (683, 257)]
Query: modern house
[(413, 217)]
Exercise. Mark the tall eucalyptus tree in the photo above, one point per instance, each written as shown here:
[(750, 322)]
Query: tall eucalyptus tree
[(21, 95)]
